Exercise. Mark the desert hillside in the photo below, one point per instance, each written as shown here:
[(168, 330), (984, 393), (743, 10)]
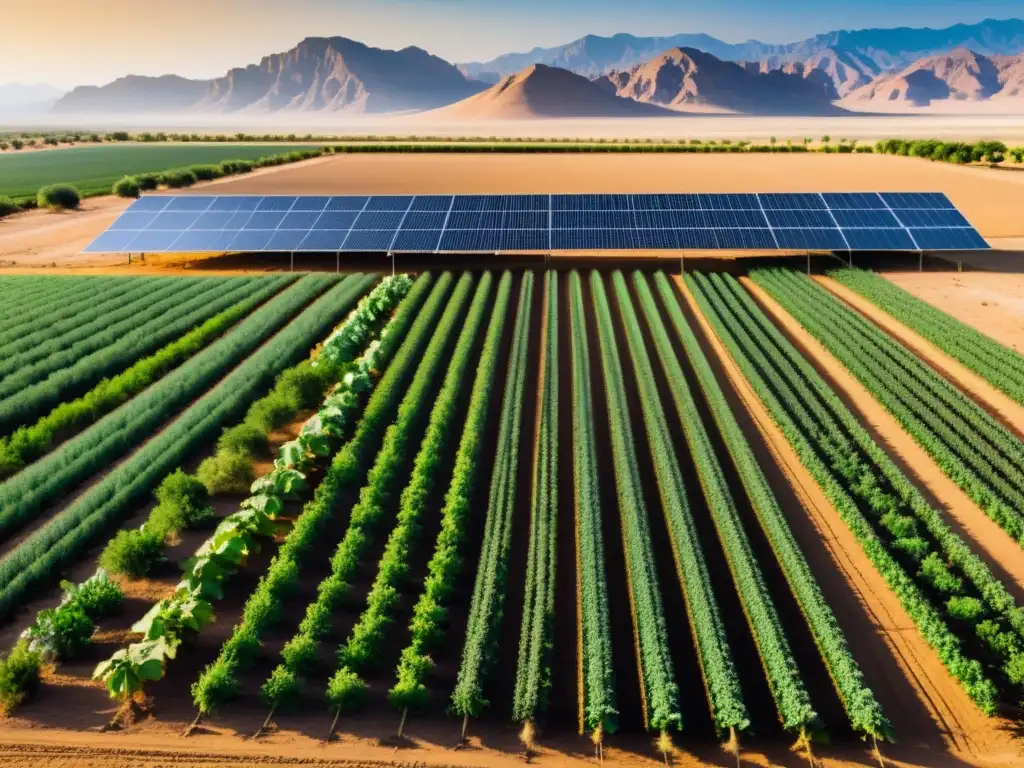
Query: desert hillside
[(318, 75), (542, 91), (961, 75), (685, 78)]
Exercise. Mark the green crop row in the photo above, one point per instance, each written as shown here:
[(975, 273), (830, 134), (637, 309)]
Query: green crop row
[(27, 493), (410, 328), (533, 673), (596, 672), (39, 321), (187, 612), (40, 556), (975, 451), (362, 646), (428, 618), (859, 701), (73, 371), (345, 689), (860, 480), (659, 687), (123, 306), (999, 365), (485, 610), (784, 679), (27, 444)]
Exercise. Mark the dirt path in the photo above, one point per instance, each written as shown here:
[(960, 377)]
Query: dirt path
[(1000, 405), (1000, 551), (927, 707)]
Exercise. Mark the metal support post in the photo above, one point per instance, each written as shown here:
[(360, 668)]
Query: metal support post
[(808, 263), (337, 262), (920, 261), (293, 261)]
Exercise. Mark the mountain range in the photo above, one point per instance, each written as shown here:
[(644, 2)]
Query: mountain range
[(606, 76)]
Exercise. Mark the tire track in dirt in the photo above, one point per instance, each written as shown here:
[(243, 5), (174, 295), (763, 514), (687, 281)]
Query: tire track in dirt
[(928, 709), (1001, 552)]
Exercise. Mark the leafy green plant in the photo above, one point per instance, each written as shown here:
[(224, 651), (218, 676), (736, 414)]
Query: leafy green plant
[(59, 197), (127, 187), (133, 553), (19, 676)]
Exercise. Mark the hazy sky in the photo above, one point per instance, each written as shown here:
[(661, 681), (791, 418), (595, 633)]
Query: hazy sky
[(73, 42)]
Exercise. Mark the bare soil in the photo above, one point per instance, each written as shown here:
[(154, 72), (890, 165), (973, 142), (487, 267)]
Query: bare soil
[(993, 303), (927, 708)]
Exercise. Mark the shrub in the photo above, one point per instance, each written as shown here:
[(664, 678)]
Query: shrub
[(937, 573), (965, 608), (206, 172), (914, 546), (18, 144), (147, 181), (133, 553), (59, 197), (270, 412), (98, 596), (900, 526), (119, 136), (182, 502), (227, 472), (127, 187), (7, 206), (242, 438), (60, 632), (304, 384), (1014, 669), (178, 178), (244, 166), (19, 676)]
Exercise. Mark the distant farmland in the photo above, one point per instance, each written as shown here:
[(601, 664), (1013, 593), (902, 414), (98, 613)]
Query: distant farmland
[(93, 170)]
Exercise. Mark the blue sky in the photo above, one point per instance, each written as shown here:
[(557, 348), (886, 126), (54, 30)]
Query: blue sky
[(93, 41)]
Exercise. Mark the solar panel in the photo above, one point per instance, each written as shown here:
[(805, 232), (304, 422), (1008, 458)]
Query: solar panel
[(844, 221)]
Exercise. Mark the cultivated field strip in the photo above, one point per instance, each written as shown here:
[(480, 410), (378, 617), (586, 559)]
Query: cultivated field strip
[(597, 706), (72, 371), (533, 670), (490, 583), (133, 298), (974, 450), (956, 603), (427, 625), (37, 294), (660, 694), (788, 688), (1001, 366), (402, 346), (28, 443), (29, 492), (254, 364), (345, 366), (39, 321), (859, 701), (360, 652)]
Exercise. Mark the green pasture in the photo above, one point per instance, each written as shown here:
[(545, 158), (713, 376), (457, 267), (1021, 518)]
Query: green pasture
[(93, 170)]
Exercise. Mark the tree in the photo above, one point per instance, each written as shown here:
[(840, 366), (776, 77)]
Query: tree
[(826, 139), (18, 143)]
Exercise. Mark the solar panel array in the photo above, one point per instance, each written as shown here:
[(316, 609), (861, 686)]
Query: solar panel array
[(863, 221)]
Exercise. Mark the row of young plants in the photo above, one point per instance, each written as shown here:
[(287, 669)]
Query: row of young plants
[(30, 491), (135, 552), (597, 706), (428, 624), (479, 649), (58, 542), (56, 634), (785, 681), (906, 540), (219, 681), (359, 652), (71, 372), (28, 443), (862, 708), (533, 670), (178, 618), (1001, 366), (975, 451), (45, 320), (25, 294), (94, 326), (659, 689)]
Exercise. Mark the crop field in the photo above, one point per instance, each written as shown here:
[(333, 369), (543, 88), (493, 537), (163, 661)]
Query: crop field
[(93, 170), (563, 512)]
